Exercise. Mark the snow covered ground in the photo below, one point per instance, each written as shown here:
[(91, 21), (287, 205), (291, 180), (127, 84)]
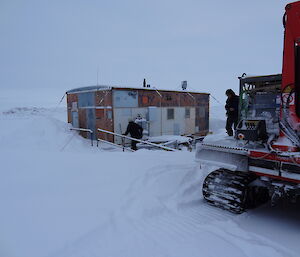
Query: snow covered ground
[(60, 197)]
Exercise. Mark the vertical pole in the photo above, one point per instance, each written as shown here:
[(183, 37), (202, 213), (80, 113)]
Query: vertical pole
[(160, 118), (123, 143), (97, 74)]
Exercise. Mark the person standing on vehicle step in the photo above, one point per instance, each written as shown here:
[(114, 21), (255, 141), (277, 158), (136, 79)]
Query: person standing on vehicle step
[(232, 111), (135, 130)]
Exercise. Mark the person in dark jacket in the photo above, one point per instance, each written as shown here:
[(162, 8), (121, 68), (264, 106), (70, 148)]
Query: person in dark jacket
[(232, 111), (135, 131)]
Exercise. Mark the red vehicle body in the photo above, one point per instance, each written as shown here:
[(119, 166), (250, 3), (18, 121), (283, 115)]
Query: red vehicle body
[(290, 89), (262, 161)]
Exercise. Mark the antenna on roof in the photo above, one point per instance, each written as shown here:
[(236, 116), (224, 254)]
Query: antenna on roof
[(97, 75)]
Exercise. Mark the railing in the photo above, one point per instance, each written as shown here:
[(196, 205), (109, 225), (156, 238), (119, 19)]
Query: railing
[(110, 143), (85, 130), (135, 139)]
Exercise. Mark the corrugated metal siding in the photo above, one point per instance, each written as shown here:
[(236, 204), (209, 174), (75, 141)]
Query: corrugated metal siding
[(71, 98), (82, 121), (202, 114), (110, 109), (125, 98), (86, 99), (93, 110), (187, 99), (103, 98), (121, 116), (168, 98), (158, 124), (103, 121)]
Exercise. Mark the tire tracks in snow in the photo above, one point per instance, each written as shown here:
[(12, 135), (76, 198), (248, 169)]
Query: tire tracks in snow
[(163, 214)]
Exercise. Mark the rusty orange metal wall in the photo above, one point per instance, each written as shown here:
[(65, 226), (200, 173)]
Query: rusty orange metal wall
[(103, 122), (103, 98), (170, 99)]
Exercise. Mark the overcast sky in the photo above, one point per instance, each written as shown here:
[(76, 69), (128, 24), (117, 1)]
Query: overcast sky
[(59, 45)]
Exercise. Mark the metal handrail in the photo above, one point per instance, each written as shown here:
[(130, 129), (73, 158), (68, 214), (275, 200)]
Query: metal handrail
[(85, 130), (138, 140), (120, 146)]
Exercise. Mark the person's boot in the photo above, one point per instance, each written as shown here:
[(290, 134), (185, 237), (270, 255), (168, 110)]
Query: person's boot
[(230, 133)]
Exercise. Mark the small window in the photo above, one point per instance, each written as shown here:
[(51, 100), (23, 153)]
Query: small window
[(170, 114), (74, 105), (109, 114), (169, 98), (187, 113)]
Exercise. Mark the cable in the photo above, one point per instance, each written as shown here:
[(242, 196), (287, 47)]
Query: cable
[(56, 107), (62, 98), (216, 99)]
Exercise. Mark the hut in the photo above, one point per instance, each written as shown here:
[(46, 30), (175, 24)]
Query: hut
[(159, 112)]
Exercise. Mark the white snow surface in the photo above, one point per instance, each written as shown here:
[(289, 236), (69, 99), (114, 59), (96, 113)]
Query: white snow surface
[(170, 138), (60, 197)]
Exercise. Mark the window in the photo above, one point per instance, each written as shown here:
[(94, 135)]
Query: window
[(109, 114), (170, 114), (74, 106), (187, 113)]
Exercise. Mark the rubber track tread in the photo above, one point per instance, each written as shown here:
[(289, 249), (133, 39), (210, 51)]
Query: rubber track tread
[(227, 189)]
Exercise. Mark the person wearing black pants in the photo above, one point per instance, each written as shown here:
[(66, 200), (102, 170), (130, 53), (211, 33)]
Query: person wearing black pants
[(232, 111), (136, 131)]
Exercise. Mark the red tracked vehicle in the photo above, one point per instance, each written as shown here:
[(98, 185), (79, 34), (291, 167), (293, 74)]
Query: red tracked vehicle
[(262, 161)]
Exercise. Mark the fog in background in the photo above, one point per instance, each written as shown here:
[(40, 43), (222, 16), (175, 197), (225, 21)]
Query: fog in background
[(54, 46)]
